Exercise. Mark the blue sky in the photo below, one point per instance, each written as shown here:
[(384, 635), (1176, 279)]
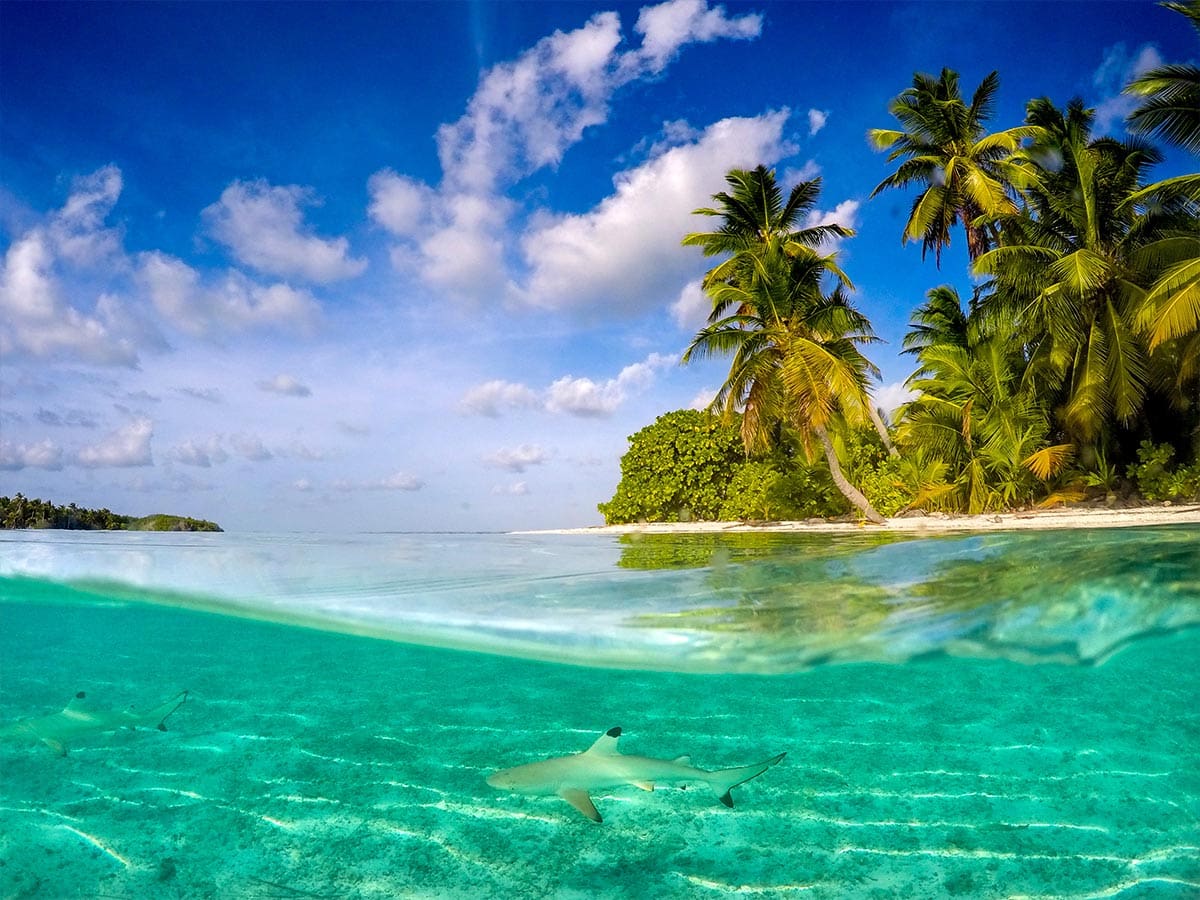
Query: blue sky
[(417, 266)]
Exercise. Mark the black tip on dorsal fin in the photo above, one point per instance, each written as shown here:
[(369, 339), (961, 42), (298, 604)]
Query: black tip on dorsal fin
[(614, 732), (727, 800), (80, 695)]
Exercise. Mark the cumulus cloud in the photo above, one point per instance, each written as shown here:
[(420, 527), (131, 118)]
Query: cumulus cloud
[(285, 385), (42, 455), (524, 115), (207, 306), (629, 244), (1117, 69), (494, 397), (208, 395), (71, 418), (569, 395), (263, 225), (38, 321), (691, 308), (202, 453), (890, 397), (78, 229), (127, 446), (399, 481), (251, 447), (816, 120), (667, 27), (516, 489), (590, 399), (398, 203), (517, 459), (703, 399)]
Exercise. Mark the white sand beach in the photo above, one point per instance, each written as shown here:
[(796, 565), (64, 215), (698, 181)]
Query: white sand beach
[(1042, 519)]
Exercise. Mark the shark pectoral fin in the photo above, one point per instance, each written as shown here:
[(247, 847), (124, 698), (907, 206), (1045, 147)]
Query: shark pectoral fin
[(56, 745), (579, 799), (727, 799), (683, 760), (644, 785)]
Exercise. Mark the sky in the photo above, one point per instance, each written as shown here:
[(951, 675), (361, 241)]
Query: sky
[(417, 266)]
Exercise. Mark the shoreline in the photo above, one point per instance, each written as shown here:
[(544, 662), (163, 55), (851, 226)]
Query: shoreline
[(932, 523)]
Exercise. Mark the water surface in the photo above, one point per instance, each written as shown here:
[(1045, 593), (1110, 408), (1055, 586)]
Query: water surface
[(981, 716)]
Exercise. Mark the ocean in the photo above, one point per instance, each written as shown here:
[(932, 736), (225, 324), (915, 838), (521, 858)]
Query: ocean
[(1015, 714)]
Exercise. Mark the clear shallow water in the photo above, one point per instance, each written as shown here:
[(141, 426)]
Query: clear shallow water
[(1008, 715)]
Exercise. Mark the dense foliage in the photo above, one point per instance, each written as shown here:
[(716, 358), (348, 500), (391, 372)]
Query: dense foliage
[(22, 512), (1073, 370)]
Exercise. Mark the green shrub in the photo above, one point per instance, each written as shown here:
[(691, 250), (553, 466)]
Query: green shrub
[(781, 489), (1157, 481), (677, 469)]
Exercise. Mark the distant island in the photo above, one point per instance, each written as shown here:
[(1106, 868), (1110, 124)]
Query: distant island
[(22, 512)]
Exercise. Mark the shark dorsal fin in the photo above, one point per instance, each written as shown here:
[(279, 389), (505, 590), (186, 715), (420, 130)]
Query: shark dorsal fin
[(606, 744), (78, 702)]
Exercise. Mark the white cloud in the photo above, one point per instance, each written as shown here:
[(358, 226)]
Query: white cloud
[(398, 203), (816, 120), (494, 397), (703, 399), (127, 446), (691, 308), (202, 453), (890, 397), (285, 385), (78, 228), (42, 455), (589, 399), (627, 249), (302, 484), (845, 214), (516, 489), (517, 459), (399, 481), (35, 318), (524, 115), (251, 447), (667, 27), (1116, 70), (203, 307), (264, 227), (568, 395)]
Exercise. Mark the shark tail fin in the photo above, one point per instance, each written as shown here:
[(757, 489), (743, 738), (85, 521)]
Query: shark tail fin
[(725, 780), (165, 710)]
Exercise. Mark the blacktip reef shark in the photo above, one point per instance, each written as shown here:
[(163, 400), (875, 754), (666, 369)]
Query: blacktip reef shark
[(603, 766), (79, 720)]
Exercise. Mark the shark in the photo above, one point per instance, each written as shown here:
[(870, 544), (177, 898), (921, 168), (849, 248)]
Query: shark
[(603, 766), (80, 720)]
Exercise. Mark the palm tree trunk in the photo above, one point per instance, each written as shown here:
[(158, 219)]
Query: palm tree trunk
[(877, 421), (849, 491)]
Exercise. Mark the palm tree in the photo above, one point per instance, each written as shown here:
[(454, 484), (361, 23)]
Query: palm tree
[(1170, 107), (965, 173), (796, 361), (974, 409), (1066, 272), (755, 219)]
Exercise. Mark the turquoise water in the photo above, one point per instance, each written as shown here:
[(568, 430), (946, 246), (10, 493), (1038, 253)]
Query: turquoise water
[(1009, 715)]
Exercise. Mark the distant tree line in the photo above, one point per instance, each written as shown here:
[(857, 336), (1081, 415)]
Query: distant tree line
[(20, 511)]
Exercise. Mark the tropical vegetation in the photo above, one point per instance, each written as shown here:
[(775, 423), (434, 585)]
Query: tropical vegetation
[(1071, 372), (20, 511)]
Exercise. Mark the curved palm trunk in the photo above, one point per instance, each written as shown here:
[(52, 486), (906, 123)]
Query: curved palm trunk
[(849, 491), (881, 427)]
